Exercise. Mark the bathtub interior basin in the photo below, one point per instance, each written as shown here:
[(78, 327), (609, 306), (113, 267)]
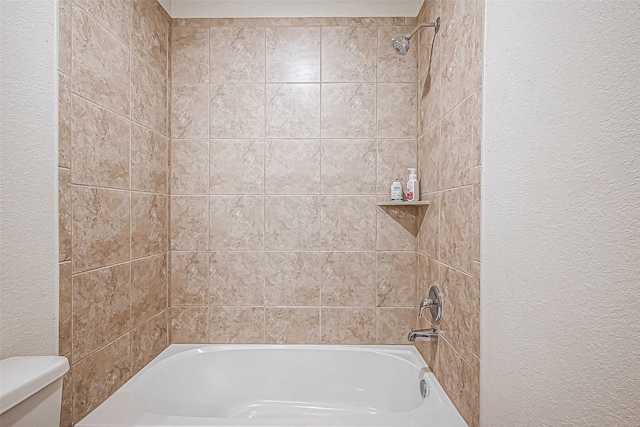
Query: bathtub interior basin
[(252, 385)]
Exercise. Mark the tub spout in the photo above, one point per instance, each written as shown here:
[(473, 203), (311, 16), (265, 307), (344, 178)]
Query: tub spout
[(423, 335)]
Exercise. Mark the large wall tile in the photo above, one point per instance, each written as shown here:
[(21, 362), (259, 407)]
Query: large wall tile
[(236, 278), (100, 65), (348, 223), (349, 166), (293, 278), (460, 380), (148, 288), (65, 120), (396, 110), (476, 214), (456, 226), (65, 313), (346, 21), (189, 223), (189, 110), (150, 34), (430, 159), (396, 279), (456, 155), (349, 279), (391, 66), (237, 223), (477, 127), (114, 15), (189, 166), (461, 312), (237, 325), (100, 231), (190, 55), (348, 326), (148, 340), (429, 88), (101, 310), (457, 61), (451, 12), (149, 224), (189, 325), (148, 97), (293, 54), (99, 147), (476, 12), (64, 36), (394, 157), (348, 110), (189, 278), (293, 111), (237, 110), (64, 215), (237, 53), (349, 54), (236, 166), (149, 160), (292, 166), (393, 324), (110, 367), (429, 233), (397, 227), (66, 407), (292, 325), (292, 223)]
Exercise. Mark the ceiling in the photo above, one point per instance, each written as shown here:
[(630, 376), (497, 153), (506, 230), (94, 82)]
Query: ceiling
[(289, 8)]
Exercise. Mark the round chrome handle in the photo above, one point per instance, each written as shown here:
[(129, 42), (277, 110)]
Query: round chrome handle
[(433, 302)]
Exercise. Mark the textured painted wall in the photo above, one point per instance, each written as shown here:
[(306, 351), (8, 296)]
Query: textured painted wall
[(113, 205), (28, 241), (450, 169), (561, 235)]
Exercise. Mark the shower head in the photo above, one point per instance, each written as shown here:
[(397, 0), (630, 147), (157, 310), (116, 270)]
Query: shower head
[(401, 43)]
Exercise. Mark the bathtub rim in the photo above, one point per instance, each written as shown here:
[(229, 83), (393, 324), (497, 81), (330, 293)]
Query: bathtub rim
[(406, 353), (446, 416)]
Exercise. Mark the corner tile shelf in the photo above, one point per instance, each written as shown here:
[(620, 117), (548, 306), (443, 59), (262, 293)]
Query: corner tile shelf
[(419, 203)]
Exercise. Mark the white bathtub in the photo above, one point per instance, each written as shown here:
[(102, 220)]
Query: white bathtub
[(269, 385)]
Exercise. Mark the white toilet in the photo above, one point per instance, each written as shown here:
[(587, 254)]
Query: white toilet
[(31, 391)]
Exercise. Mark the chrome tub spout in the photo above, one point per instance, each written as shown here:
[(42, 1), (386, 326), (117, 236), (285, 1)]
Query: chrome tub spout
[(423, 335)]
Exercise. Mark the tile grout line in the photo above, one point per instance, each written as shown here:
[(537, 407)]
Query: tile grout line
[(264, 219), (209, 65)]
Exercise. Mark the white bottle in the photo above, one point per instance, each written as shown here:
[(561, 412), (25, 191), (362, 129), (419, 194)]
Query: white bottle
[(413, 190), (396, 191)]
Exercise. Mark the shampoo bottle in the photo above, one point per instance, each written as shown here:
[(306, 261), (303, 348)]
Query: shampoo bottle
[(396, 191), (413, 191)]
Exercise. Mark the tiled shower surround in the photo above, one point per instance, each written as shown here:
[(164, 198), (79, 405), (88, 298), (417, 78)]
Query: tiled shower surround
[(285, 133), (450, 167), (113, 194)]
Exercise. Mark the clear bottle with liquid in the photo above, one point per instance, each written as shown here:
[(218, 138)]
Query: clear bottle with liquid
[(396, 191), (413, 188)]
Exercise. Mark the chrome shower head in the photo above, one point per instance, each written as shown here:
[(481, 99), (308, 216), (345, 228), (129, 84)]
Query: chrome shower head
[(401, 44)]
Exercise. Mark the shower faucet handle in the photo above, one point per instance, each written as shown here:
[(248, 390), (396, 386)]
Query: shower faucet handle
[(433, 302)]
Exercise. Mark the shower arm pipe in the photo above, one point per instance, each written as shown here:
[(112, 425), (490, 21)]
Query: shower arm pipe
[(435, 24)]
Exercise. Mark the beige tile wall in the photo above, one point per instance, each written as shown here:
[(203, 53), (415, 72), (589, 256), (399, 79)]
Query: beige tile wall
[(286, 133), (113, 194), (449, 140)]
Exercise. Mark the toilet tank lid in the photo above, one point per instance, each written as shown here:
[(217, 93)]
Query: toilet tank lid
[(22, 377)]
